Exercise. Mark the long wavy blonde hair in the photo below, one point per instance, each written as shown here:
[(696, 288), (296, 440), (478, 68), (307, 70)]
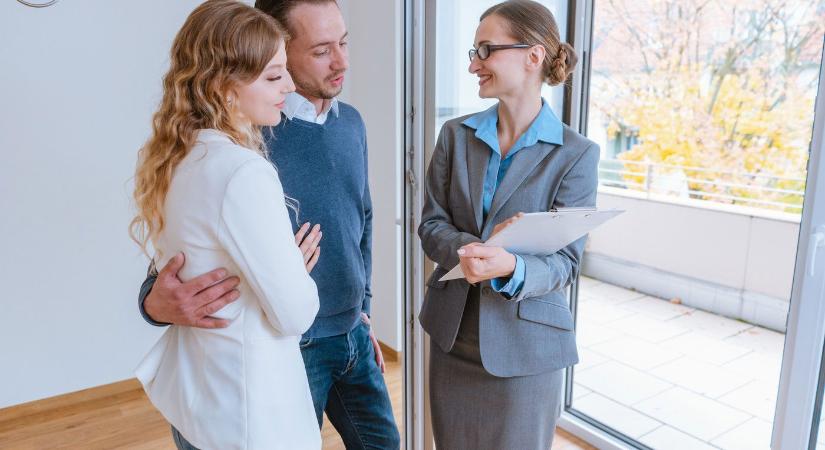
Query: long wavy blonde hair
[(223, 44)]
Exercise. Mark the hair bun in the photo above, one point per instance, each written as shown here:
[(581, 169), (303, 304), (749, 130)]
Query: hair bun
[(571, 58), (562, 65)]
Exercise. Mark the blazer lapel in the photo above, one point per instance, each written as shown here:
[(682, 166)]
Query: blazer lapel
[(478, 156), (524, 163)]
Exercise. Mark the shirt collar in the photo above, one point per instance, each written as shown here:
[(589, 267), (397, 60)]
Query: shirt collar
[(546, 127), (297, 105)]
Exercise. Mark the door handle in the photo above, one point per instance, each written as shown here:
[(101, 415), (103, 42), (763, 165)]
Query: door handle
[(817, 241)]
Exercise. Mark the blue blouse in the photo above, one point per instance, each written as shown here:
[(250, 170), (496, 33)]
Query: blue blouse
[(546, 127)]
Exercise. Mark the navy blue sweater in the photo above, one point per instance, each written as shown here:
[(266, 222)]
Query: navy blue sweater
[(324, 168)]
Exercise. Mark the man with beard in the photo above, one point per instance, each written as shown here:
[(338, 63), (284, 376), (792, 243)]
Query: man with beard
[(320, 151)]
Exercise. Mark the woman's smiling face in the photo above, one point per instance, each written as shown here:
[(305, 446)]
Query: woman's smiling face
[(261, 101), (504, 72)]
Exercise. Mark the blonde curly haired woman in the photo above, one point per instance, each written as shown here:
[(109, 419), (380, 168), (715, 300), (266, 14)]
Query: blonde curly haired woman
[(204, 188)]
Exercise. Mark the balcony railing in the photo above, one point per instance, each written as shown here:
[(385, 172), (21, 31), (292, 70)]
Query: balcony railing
[(721, 186)]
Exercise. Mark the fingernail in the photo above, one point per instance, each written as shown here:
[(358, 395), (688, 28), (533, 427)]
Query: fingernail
[(461, 251), (222, 273)]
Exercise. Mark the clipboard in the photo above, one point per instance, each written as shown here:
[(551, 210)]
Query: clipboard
[(545, 233)]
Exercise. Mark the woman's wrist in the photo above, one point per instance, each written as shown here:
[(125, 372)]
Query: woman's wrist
[(510, 267)]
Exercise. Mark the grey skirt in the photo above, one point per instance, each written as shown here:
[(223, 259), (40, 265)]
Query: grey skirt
[(472, 409)]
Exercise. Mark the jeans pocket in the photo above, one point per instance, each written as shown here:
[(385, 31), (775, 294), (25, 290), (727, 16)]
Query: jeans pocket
[(304, 342)]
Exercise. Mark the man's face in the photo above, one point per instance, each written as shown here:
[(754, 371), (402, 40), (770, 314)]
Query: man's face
[(317, 52)]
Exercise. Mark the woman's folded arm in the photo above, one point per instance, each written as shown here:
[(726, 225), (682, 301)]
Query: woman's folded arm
[(255, 230)]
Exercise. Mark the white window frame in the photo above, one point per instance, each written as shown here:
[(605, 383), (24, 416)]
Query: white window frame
[(418, 434), (799, 380), (805, 335)]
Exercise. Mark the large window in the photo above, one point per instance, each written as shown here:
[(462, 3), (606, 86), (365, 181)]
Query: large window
[(706, 100), (704, 112)]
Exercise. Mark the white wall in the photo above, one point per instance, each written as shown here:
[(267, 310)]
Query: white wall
[(375, 87), (79, 83), (739, 265)]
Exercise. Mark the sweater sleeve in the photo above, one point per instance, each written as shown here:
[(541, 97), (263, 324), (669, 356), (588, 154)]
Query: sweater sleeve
[(145, 289), (366, 237), (256, 232)]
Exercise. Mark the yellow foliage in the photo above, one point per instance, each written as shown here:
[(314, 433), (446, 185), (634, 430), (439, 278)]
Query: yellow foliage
[(744, 130), (719, 93)]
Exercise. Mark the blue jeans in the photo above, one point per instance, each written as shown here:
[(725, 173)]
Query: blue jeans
[(180, 442), (346, 381)]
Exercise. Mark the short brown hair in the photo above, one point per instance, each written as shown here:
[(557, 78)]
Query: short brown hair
[(532, 23), (279, 9)]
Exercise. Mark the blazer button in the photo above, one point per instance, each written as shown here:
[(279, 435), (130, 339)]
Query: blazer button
[(486, 291)]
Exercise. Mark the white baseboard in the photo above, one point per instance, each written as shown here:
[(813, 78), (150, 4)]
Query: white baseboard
[(758, 309)]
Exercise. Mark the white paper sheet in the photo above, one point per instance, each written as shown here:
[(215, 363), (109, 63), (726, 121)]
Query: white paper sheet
[(545, 233)]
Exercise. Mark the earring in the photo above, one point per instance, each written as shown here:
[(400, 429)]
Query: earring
[(229, 100)]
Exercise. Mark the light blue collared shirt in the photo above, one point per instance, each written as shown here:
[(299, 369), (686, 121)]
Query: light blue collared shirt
[(546, 127)]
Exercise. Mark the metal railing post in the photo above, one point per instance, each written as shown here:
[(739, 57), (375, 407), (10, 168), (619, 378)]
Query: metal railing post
[(648, 178)]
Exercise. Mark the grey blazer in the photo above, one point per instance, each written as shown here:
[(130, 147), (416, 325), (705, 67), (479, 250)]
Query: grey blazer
[(532, 332)]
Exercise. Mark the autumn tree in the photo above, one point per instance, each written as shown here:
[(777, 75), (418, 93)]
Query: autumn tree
[(720, 93)]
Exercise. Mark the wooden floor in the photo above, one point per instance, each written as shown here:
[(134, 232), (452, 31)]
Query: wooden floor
[(119, 416)]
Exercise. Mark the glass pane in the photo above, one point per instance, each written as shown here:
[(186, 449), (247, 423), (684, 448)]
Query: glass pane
[(703, 111), (456, 89)]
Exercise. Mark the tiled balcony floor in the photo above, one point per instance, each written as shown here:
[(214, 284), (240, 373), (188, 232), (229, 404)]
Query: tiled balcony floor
[(671, 376)]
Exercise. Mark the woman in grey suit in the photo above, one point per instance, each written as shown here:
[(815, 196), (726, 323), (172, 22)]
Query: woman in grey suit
[(501, 337)]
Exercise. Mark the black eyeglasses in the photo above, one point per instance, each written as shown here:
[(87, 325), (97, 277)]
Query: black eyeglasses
[(483, 51)]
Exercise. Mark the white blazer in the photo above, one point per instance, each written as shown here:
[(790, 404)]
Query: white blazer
[(244, 386)]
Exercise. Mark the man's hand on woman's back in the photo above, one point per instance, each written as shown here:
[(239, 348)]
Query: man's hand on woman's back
[(191, 303)]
